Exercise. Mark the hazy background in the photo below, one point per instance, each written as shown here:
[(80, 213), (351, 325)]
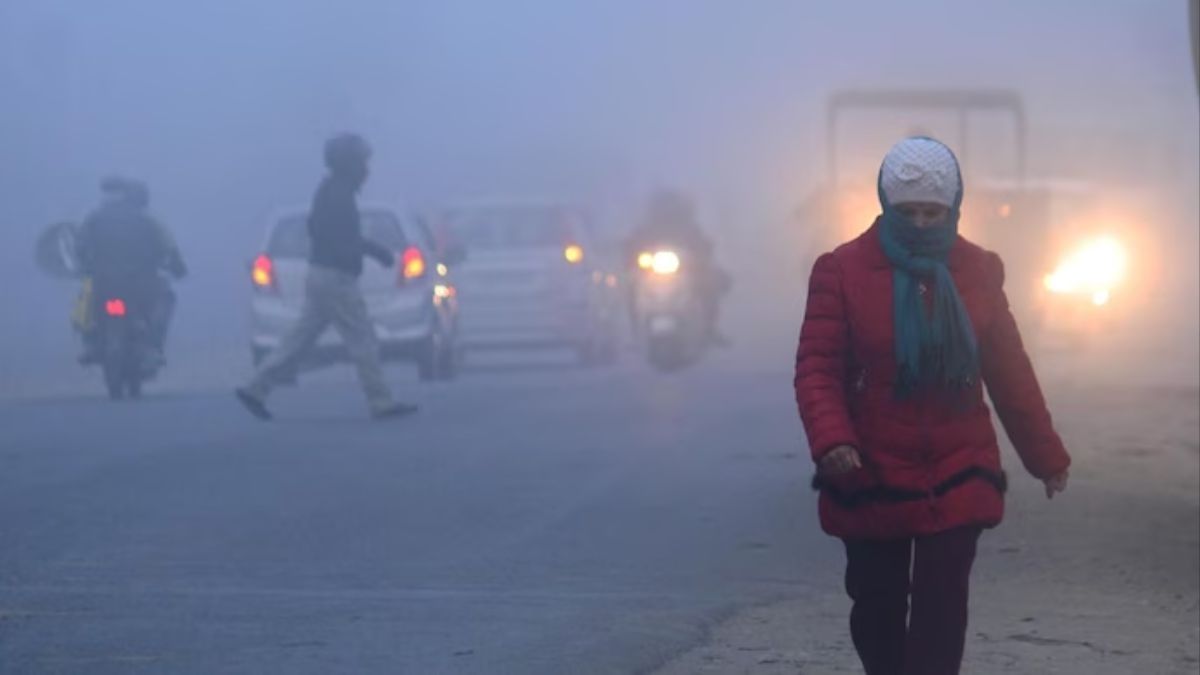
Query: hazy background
[(222, 107)]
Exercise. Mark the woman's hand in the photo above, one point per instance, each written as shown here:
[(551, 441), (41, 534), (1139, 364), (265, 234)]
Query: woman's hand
[(840, 460), (1056, 483)]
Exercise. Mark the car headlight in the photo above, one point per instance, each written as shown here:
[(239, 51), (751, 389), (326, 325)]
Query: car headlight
[(1093, 270), (573, 254)]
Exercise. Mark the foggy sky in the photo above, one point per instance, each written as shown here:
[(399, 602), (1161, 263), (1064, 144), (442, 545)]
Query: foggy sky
[(222, 107)]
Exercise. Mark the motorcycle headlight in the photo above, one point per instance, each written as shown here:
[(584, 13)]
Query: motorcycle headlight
[(665, 262), (1094, 270)]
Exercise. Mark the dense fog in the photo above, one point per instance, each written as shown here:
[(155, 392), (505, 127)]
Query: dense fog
[(222, 108)]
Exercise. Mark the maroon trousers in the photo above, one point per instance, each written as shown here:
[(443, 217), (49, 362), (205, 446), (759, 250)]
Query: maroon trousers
[(933, 571)]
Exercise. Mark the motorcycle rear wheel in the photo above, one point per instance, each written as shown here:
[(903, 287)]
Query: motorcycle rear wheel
[(123, 374)]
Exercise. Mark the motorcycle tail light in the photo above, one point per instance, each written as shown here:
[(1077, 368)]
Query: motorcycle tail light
[(115, 307)]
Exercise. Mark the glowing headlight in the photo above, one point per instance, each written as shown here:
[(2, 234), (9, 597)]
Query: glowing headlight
[(1094, 269), (645, 260), (665, 262), (573, 254)]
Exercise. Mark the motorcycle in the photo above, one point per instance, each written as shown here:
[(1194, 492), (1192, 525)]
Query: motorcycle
[(126, 358), (118, 324), (668, 311)]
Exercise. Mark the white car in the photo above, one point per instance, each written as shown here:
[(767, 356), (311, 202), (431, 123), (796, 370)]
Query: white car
[(533, 279), (413, 304)]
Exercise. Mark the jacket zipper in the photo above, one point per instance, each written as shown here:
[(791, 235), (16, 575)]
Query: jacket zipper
[(927, 445)]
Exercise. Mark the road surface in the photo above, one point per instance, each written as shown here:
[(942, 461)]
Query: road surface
[(551, 521)]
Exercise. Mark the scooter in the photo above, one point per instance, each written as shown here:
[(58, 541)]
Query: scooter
[(668, 311)]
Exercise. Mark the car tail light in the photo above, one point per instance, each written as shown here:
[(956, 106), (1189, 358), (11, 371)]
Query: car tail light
[(412, 264), (115, 307), (262, 272)]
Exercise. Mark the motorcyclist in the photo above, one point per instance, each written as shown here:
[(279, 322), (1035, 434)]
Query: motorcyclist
[(670, 221), (123, 252)]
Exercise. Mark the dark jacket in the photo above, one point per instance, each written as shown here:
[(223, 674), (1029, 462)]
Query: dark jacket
[(930, 462), (335, 228), (121, 243)]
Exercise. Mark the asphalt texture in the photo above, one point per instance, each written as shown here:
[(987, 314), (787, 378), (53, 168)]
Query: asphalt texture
[(556, 520)]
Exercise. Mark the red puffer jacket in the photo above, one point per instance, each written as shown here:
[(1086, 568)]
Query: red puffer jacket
[(930, 462)]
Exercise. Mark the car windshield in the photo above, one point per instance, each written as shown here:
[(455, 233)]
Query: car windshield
[(290, 238), (513, 227)]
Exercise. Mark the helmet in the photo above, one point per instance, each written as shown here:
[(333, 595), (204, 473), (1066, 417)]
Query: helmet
[(119, 189), (346, 153)]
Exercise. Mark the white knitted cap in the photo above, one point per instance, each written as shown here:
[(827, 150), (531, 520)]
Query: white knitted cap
[(920, 170)]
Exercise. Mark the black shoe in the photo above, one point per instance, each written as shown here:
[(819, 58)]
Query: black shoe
[(254, 404), (394, 411)]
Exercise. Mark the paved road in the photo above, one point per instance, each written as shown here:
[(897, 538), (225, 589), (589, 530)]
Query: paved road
[(526, 522)]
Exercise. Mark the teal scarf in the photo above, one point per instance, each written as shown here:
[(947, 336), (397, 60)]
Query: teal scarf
[(935, 342)]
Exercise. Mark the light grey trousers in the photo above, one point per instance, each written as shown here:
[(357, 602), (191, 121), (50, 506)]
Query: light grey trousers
[(331, 297)]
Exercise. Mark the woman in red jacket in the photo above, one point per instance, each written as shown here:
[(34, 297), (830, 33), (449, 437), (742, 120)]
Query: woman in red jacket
[(903, 328)]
